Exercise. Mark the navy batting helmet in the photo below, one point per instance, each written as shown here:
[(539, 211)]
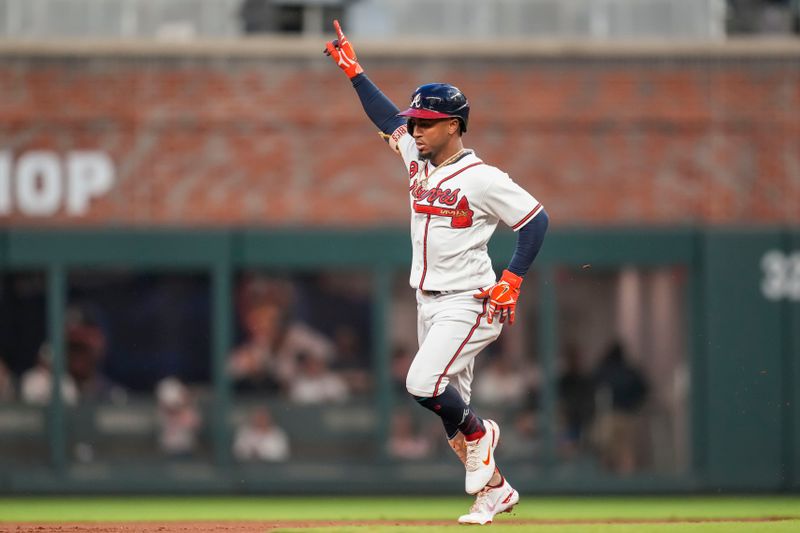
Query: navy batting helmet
[(438, 100)]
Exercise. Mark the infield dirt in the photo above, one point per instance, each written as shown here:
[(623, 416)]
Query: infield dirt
[(263, 526)]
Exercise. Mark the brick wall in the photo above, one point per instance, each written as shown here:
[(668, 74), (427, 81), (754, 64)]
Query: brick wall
[(268, 141)]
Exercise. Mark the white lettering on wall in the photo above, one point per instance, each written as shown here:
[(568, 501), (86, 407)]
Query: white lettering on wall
[(781, 275), (90, 174), (42, 182), (38, 180)]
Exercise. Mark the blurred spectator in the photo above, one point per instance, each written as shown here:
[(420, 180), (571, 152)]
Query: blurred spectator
[(621, 392), (7, 392), (267, 359), (576, 401), (405, 442), (260, 439), (86, 350), (84, 379), (315, 383), (178, 418), (351, 362), (502, 382), (253, 365), (36, 383)]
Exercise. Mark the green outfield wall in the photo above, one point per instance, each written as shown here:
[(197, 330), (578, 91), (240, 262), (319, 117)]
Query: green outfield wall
[(741, 316)]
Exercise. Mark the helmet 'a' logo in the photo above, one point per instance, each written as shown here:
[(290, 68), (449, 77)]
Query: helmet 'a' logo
[(415, 102)]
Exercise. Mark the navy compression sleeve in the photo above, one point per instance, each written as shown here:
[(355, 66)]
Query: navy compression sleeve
[(380, 110), (529, 240)]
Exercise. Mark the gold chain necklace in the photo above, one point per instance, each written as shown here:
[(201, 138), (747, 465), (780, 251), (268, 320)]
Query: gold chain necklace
[(424, 181)]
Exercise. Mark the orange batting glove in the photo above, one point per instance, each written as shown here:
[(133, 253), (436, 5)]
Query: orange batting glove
[(502, 296), (342, 52)]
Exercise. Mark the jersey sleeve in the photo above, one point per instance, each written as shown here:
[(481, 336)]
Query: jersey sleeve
[(403, 144), (509, 202)]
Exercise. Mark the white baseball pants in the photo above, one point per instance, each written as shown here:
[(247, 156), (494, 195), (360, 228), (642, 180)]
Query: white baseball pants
[(452, 329)]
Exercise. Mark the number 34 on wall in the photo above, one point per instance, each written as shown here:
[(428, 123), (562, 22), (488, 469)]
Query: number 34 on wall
[(781, 275)]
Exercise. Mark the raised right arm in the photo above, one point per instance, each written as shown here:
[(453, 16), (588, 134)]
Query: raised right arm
[(380, 110)]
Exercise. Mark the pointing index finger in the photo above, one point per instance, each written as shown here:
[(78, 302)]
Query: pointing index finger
[(338, 30)]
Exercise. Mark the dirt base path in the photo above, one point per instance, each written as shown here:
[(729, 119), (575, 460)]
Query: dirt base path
[(260, 527)]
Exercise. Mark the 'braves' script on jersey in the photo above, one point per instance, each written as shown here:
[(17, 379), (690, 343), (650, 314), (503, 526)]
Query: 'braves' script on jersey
[(454, 213)]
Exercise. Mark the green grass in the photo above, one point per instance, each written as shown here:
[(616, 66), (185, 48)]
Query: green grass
[(768, 527), (101, 509)]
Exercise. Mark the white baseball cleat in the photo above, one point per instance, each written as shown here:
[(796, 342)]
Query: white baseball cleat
[(491, 501), (480, 458)]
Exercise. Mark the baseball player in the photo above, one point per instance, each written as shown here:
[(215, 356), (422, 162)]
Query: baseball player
[(456, 202)]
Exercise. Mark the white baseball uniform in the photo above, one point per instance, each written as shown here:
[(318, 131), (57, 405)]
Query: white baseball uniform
[(454, 212)]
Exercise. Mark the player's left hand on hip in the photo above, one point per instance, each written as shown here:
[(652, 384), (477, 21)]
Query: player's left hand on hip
[(341, 50), (502, 296)]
